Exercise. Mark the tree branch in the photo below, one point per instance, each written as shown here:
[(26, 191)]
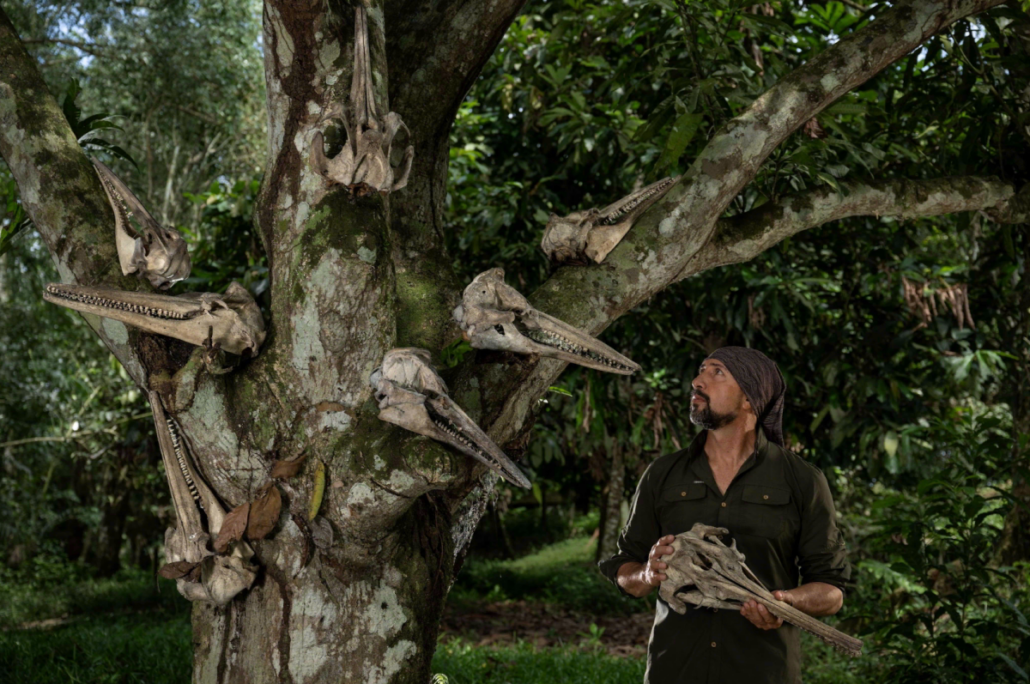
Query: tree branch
[(745, 236), (58, 187), (665, 239)]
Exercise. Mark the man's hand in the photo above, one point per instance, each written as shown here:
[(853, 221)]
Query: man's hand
[(760, 616), (653, 574), (640, 579)]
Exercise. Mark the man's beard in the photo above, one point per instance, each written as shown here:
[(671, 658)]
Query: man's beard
[(707, 418)]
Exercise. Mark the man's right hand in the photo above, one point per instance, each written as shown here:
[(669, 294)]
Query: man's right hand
[(640, 579)]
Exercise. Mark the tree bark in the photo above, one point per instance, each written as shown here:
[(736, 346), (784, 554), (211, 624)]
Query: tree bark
[(352, 278)]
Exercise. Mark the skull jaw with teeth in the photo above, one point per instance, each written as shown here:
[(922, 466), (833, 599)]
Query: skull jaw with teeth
[(496, 316)]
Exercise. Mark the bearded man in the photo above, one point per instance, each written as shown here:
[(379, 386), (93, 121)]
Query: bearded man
[(738, 475)]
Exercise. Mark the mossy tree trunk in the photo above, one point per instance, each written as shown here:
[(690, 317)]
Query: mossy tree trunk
[(353, 278)]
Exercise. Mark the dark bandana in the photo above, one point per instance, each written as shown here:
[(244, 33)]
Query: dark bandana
[(760, 380)]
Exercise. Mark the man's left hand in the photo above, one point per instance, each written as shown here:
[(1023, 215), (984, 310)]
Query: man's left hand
[(760, 616)]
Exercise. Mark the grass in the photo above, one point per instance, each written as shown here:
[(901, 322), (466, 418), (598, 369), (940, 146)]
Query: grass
[(146, 648), (463, 663), (22, 602), (562, 573)]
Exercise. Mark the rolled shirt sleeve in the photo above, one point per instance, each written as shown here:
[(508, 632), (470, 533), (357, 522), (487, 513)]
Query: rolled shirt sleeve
[(821, 553)]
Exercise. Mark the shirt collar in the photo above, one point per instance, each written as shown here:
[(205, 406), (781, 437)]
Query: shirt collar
[(696, 451)]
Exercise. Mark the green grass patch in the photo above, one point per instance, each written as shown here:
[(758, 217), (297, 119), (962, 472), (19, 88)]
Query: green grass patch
[(145, 648), (463, 663), (133, 590), (562, 573)]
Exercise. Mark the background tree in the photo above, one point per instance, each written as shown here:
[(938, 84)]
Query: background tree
[(351, 280)]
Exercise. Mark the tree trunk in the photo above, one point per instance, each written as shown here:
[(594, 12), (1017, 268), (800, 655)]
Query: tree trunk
[(607, 543)]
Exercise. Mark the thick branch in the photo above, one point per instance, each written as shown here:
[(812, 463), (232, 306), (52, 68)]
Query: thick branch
[(667, 237), (435, 52), (744, 237), (57, 184)]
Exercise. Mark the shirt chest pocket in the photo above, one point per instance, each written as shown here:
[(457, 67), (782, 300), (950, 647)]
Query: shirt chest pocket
[(765, 511), (682, 505)]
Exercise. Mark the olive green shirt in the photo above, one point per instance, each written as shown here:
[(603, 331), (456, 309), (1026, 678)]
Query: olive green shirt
[(779, 510)]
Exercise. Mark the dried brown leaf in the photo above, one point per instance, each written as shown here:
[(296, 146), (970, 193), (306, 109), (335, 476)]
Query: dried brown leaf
[(284, 470), (264, 514), (233, 527), (176, 570)]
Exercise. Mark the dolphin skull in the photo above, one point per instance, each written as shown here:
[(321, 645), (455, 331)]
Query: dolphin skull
[(231, 322), (495, 316), (199, 517), (413, 396), (594, 233), (145, 247), (368, 159)]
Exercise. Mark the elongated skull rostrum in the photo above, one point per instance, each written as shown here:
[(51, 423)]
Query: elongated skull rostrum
[(199, 517), (593, 233), (231, 322), (413, 396), (495, 316), (705, 573), (368, 158), (145, 247)]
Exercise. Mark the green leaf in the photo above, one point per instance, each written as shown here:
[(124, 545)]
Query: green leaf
[(682, 133), (847, 108)]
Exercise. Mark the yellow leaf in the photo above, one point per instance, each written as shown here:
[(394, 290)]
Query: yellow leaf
[(319, 491)]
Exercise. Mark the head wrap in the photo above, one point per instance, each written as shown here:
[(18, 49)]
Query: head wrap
[(762, 383)]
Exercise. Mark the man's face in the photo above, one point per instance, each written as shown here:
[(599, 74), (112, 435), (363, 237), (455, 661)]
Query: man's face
[(717, 399)]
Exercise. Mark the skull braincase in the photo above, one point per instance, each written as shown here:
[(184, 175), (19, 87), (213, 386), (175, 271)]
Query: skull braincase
[(152, 251)]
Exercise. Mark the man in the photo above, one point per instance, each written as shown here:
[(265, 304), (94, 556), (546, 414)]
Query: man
[(735, 474)]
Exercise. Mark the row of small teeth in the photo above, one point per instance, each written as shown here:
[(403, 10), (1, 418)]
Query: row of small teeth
[(557, 341), (611, 219), (457, 434), (93, 300), (181, 458)]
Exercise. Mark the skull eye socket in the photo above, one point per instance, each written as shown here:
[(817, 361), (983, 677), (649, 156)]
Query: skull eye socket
[(499, 328)]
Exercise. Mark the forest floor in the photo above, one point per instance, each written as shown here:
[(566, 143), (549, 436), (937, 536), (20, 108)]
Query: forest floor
[(545, 624)]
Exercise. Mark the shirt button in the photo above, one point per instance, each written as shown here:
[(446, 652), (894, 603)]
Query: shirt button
[(683, 493), (724, 504), (765, 496), (715, 610), (713, 644)]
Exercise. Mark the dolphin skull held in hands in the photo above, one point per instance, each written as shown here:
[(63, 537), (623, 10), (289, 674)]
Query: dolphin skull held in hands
[(231, 322), (199, 516), (413, 396), (594, 233), (495, 316), (704, 572), (367, 159), (145, 247)]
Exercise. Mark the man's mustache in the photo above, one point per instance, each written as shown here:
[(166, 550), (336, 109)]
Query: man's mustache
[(699, 393)]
